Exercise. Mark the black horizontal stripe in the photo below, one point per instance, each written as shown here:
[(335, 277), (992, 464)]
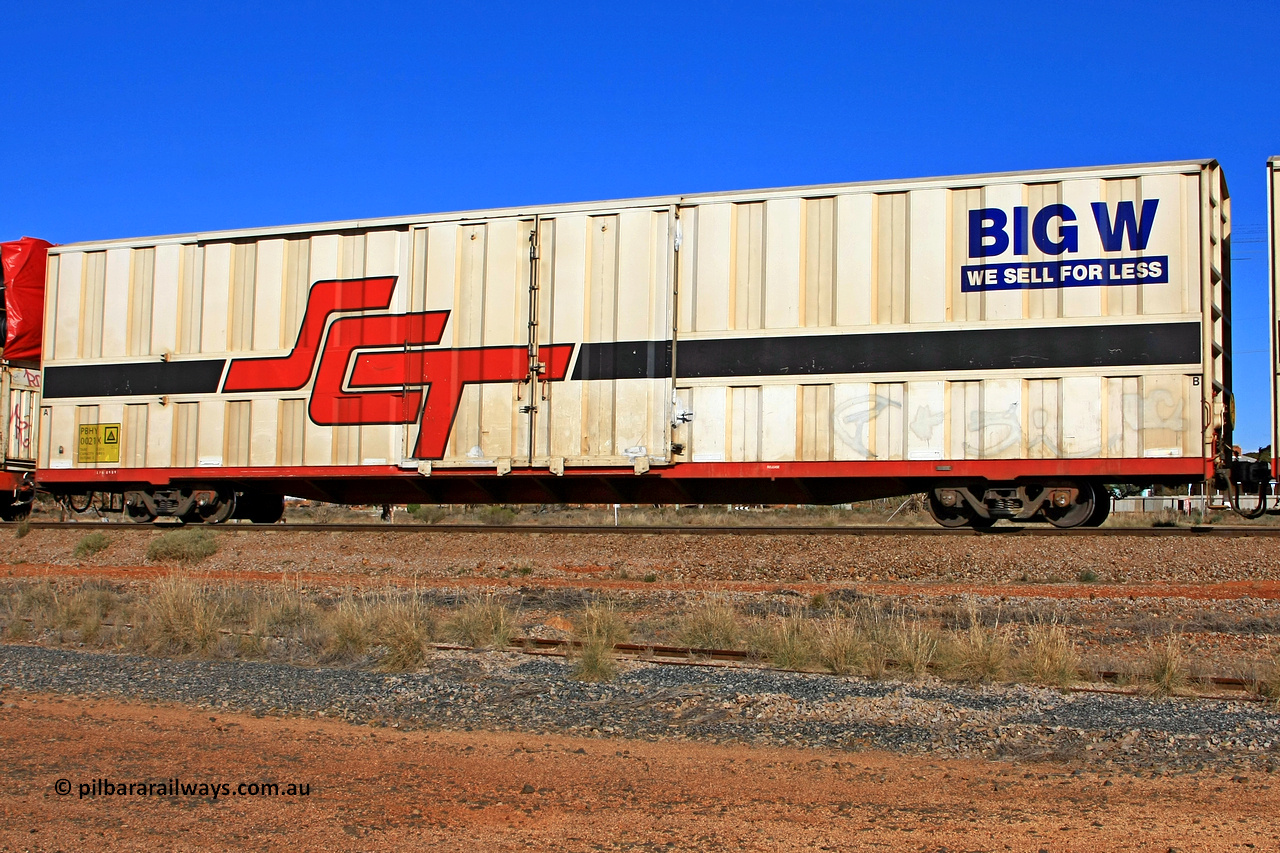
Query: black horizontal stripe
[(623, 360), (1045, 347), (133, 379), (950, 350)]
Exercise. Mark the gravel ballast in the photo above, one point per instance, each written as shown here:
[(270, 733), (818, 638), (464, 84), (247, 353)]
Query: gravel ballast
[(686, 557), (509, 691)]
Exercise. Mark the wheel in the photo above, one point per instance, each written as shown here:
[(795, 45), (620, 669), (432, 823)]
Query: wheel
[(138, 514), (1102, 507), (16, 511), (978, 522), (80, 503), (1074, 514), (215, 513), (947, 516), (261, 509)]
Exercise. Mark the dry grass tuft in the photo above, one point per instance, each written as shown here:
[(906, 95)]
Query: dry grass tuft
[(346, 630), (594, 660), (90, 545), (878, 633), (283, 611), (30, 609), (915, 647), (1167, 668), (842, 647), (1050, 657), (599, 629), (713, 624), (1267, 678), (404, 629), (483, 623), (602, 621), (181, 617), (85, 609), (981, 654), (788, 642), (182, 546)]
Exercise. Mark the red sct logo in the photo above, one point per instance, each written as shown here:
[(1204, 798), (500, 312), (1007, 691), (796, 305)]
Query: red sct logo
[(394, 380)]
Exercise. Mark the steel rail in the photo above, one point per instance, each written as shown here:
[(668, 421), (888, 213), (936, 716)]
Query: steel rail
[(1193, 531), (690, 656), (1089, 681)]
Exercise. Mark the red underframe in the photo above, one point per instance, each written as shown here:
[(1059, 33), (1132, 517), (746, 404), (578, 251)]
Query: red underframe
[(1119, 470)]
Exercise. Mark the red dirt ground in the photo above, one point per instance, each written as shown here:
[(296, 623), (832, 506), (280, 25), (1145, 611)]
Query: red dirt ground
[(380, 789), (1206, 591)]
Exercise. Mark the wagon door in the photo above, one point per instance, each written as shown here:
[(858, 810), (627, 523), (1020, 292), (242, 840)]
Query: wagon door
[(467, 375), (556, 345), (605, 281)]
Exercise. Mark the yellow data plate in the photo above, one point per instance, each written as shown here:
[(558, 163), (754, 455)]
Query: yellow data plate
[(99, 443)]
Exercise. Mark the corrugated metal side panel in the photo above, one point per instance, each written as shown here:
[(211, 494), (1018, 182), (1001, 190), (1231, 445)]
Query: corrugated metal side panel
[(133, 439), (383, 223), (486, 307), (186, 434), (21, 416), (602, 278), (845, 261), (819, 229), (190, 300), (1215, 297), (291, 428), (90, 315), (1053, 418), (627, 298), (85, 415), (161, 429), (238, 433), (891, 261), (244, 273), (1273, 267), (46, 434), (218, 300), (142, 274)]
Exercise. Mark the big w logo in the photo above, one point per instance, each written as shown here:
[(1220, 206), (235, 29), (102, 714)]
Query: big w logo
[(394, 380)]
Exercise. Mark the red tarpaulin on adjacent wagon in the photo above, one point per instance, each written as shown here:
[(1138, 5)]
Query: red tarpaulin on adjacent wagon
[(23, 265)]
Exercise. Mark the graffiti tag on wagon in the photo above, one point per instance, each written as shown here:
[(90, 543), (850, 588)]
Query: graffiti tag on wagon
[(991, 432), (21, 426), (1053, 231)]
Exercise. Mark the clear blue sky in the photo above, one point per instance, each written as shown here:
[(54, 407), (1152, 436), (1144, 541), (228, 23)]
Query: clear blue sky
[(133, 119)]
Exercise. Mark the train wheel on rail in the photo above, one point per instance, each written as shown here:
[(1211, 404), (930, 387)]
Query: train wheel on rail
[(260, 508), (948, 516), (136, 509), (215, 511), (80, 503), (1101, 508), (1072, 513)]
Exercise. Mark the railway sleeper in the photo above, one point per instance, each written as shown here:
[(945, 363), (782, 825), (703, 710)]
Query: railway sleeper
[(1061, 503)]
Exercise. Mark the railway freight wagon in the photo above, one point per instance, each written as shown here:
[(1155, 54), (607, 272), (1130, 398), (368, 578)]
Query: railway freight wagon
[(1006, 343), (22, 278), (1273, 268)]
